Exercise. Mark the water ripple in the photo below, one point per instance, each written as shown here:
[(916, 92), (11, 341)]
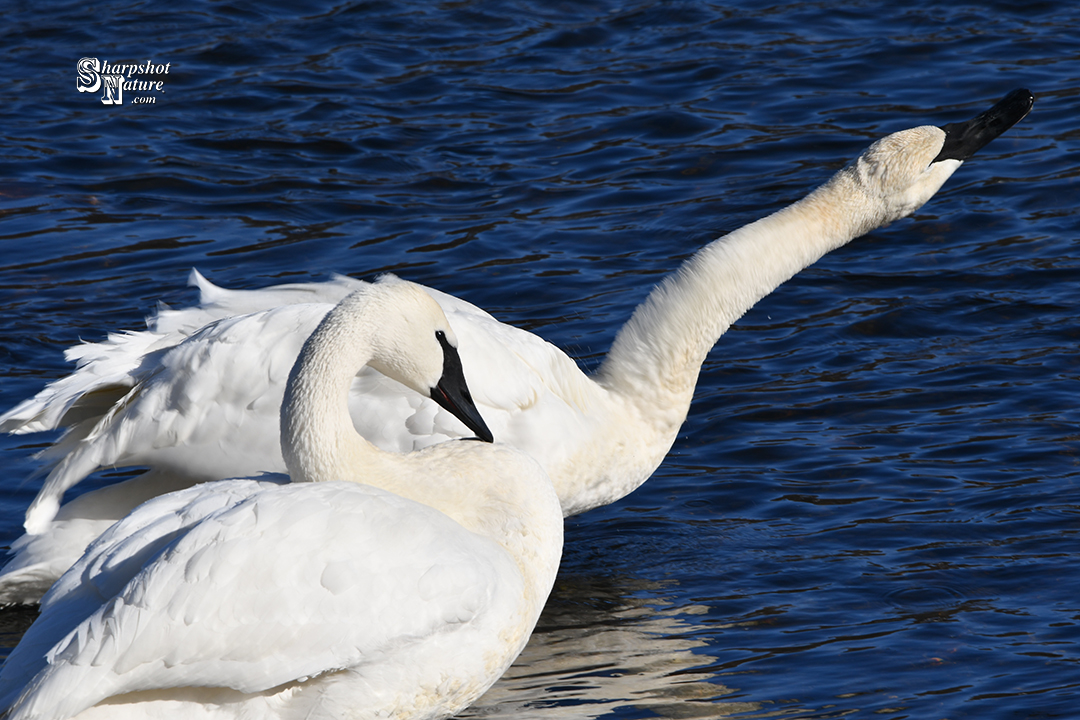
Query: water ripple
[(872, 507)]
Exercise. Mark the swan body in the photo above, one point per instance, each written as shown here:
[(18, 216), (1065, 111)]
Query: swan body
[(194, 397), (364, 584)]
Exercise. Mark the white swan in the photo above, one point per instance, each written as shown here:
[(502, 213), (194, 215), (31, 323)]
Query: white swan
[(374, 585), (206, 408)]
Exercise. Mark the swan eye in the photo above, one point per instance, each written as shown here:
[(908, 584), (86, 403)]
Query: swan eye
[(440, 335)]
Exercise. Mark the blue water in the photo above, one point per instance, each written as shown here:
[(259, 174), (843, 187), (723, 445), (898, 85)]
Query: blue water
[(874, 505)]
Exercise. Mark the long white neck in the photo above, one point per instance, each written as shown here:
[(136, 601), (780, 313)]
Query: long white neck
[(318, 439), (657, 355)]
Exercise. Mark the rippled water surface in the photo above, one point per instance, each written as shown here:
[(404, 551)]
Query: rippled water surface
[(873, 507)]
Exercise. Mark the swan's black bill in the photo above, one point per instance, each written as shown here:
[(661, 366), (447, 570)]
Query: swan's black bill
[(453, 394), (964, 139)]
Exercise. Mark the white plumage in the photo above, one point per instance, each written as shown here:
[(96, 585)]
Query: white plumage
[(197, 401), (404, 596)]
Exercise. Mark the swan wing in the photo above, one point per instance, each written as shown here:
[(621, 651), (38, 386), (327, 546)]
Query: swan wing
[(206, 408), (111, 560), (106, 370), (269, 586)]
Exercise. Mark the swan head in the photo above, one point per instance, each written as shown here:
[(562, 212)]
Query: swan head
[(905, 169), (416, 346), (398, 329)]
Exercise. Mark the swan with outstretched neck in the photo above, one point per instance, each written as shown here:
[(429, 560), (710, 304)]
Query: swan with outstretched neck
[(195, 398), (374, 584)]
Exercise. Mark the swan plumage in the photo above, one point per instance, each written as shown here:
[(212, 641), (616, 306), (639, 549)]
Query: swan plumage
[(363, 584), (143, 398)]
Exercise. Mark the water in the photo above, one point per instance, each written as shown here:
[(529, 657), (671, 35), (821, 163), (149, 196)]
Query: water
[(873, 507)]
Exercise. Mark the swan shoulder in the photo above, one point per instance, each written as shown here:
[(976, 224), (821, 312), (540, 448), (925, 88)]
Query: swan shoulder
[(361, 570), (498, 347)]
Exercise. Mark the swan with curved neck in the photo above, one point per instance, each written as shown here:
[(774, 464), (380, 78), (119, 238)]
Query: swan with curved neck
[(598, 437), (373, 585)]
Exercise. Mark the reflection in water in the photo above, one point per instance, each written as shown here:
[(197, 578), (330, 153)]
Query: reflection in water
[(14, 621), (606, 645)]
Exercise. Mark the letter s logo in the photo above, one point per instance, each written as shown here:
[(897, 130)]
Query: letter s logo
[(89, 78)]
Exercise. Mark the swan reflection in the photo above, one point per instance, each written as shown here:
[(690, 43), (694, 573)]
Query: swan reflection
[(605, 645)]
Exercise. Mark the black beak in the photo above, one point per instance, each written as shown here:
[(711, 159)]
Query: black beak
[(963, 139), (453, 394)]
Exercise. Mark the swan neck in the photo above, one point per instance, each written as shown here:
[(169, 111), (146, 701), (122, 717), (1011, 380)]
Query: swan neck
[(318, 440), (657, 355)]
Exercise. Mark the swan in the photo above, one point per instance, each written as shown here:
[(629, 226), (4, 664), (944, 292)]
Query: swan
[(364, 584), (196, 397)]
